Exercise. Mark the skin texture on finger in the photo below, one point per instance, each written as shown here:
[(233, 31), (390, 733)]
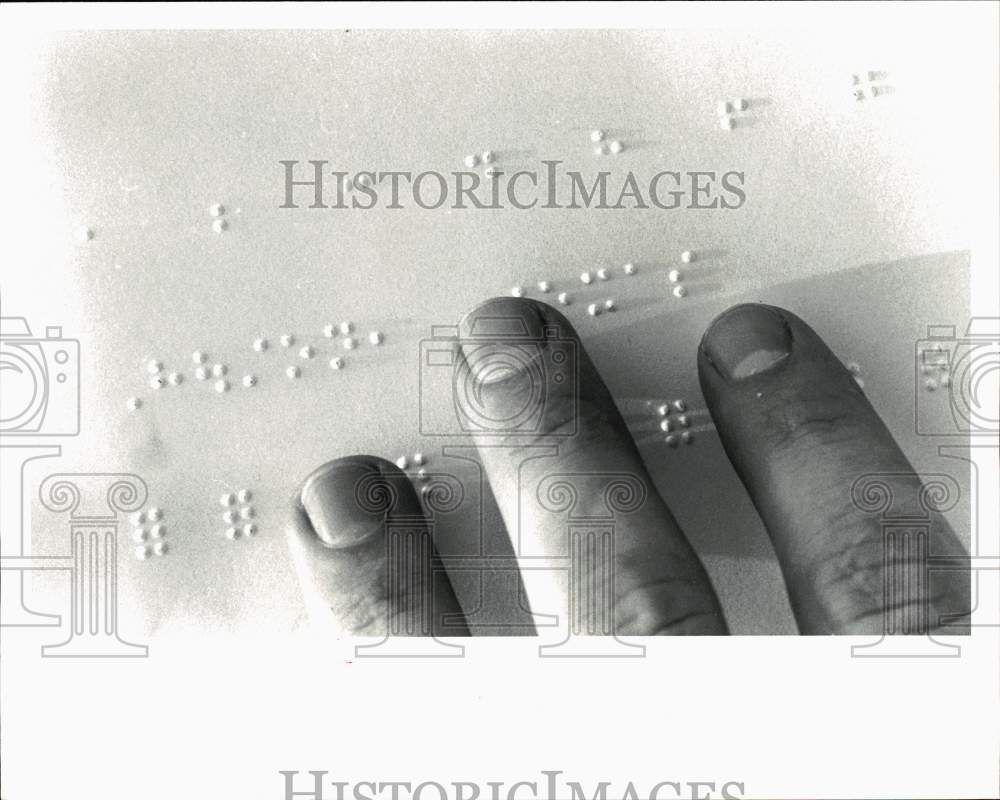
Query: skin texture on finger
[(820, 465), (364, 554), (569, 480)]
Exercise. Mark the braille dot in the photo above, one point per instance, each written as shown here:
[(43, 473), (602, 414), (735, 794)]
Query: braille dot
[(260, 344), (724, 107), (859, 381), (663, 410), (680, 291), (228, 499), (157, 382), (593, 309), (250, 529), (671, 440), (216, 210), (402, 462), (629, 269), (199, 357), (307, 352), (603, 274), (229, 516), (544, 286), (160, 548), (944, 380), (346, 327), (86, 234), (419, 459), (491, 172), (219, 225), (422, 475), (472, 161), (674, 275), (684, 421), (563, 298), (687, 256), (666, 425), (218, 370), (244, 495), (139, 535), (142, 553), (930, 384), (741, 104), (287, 340), (375, 337), (232, 532), (488, 157), (586, 277), (201, 373), (727, 123), (134, 404), (601, 150), (336, 363), (616, 147), (293, 372), (154, 514), (249, 381), (349, 343), (854, 368), (329, 330), (597, 136), (364, 179), (222, 386), (679, 405), (247, 512), (158, 531), (687, 437), (517, 291), (153, 366), (175, 378), (610, 305), (138, 518)]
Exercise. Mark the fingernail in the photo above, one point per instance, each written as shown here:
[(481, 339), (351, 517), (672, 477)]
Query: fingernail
[(330, 499), (747, 340)]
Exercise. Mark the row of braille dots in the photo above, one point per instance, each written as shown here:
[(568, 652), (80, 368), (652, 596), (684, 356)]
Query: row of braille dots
[(936, 367), (148, 532), (487, 157), (419, 459), (239, 514), (564, 298), (219, 224), (602, 147), (727, 110), (670, 424), (330, 331), (218, 371), (864, 85)]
